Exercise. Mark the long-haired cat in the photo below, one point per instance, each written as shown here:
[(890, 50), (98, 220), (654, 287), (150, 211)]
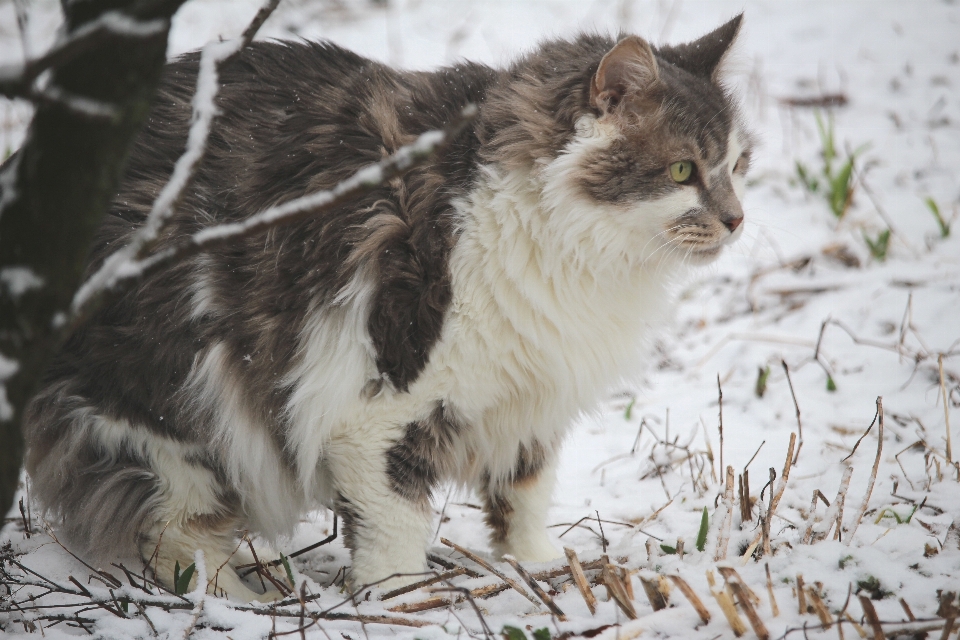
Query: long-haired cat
[(448, 327)]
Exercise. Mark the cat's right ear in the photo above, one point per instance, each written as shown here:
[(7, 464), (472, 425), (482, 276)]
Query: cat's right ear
[(628, 66)]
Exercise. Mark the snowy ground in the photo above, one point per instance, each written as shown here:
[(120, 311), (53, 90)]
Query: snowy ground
[(898, 64)]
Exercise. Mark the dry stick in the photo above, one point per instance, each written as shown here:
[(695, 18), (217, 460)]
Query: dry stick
[(801, 596), (946, 409), (579, 579), (727, 607), (616, 591), (563, 571), (873, 473), (735, 582), (489, 567), (774, 609), (537, 589), (720, 401), (691, 596), (796, 406), (724, 540), (808, 534), (820, 608), (839, 501), (652, 590), (459, 571), (781, 487), (871, 615), (447, 564)]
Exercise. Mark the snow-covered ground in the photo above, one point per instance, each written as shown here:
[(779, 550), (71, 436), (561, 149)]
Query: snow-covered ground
[(765, 302)]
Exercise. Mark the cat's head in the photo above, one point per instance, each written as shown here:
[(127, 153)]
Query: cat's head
[(655, 154)]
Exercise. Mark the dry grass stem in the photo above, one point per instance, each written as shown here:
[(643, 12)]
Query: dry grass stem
[(651, 587), (801, 596), (748, 609), (871, 615), (796, 406), (616, 590), (839, 501), (873, 473), (537, 589), (720, 401), (459, 571), (946, 409), (489, 567), (856, 625), (820, 608), (576, 570), (774, 609), (692, 597), (727, 607), (724, 539)]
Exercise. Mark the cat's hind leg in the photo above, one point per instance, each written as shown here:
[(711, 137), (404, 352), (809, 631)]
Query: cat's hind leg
[(516, 507), (167, 546)]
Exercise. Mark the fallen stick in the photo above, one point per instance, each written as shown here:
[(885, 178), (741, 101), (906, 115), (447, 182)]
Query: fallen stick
[(692, 597), (489, 567), (744, 597), (653, 592), (820, 608), (871, 614), (579, 579), (537, 589), (726, 606), (617, 591), (774, 609), (459, 571)]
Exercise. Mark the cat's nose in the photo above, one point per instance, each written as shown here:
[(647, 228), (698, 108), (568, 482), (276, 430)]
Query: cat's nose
[(732, 222)]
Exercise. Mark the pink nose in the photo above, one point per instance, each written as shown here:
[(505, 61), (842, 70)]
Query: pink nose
[(732, 223)]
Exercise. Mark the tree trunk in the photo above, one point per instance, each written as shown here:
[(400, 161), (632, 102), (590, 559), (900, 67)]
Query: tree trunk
[(53, 194)]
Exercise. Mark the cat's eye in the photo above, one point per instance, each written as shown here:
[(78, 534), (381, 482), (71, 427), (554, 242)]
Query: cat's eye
[(681, 171)]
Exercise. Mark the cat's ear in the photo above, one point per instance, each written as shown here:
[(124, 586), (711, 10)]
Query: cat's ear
[(703, 57), (629, 66)]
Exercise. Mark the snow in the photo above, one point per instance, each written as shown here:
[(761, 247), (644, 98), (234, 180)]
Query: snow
[(764, 302), (17, 280)]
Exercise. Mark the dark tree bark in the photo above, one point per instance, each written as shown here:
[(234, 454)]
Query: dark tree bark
[(65, 176)]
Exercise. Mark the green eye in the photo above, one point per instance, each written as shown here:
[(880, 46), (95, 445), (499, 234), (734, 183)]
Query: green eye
[(681, 171)]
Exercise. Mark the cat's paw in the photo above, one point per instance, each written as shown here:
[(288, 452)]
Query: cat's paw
[(534, 549)]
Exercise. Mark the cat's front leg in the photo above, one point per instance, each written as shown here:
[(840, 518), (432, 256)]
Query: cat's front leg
[(383, 488), (516, 507)]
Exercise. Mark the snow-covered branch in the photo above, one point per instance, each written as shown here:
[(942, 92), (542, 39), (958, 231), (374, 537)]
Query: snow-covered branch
[(363, 181), (17, 80), (212, 59)]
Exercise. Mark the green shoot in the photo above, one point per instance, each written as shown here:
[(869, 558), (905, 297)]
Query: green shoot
[(878, 247), (286, 565), (629, 410), (935, 209), (702, 534), (181, 582), (762, 375), (667, 549), (542, 633), (513, 633), (835, 181), (831, 385)]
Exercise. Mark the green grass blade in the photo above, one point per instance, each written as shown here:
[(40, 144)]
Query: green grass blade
[(702, 534), (286, 565), (182, 581)]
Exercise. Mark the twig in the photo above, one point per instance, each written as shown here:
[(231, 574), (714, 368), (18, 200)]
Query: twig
[(871, 614), (489, 567), (774, 609), (655, 595), (442, 577), (616, 591), (537, 589), (724, 540), (873, 473), (796, 406), (694, 599), (740, 590), (801, 595), (820, 608), (726, 606), (579, 579), (17, 80), (946, 409), (720, 402)]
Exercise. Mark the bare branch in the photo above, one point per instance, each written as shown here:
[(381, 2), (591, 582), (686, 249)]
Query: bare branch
[(16, 81)]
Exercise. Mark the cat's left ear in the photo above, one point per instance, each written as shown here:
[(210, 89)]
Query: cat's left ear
[(703, 57)]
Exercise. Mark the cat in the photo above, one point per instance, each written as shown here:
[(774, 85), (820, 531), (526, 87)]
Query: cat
[(448, 327)]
